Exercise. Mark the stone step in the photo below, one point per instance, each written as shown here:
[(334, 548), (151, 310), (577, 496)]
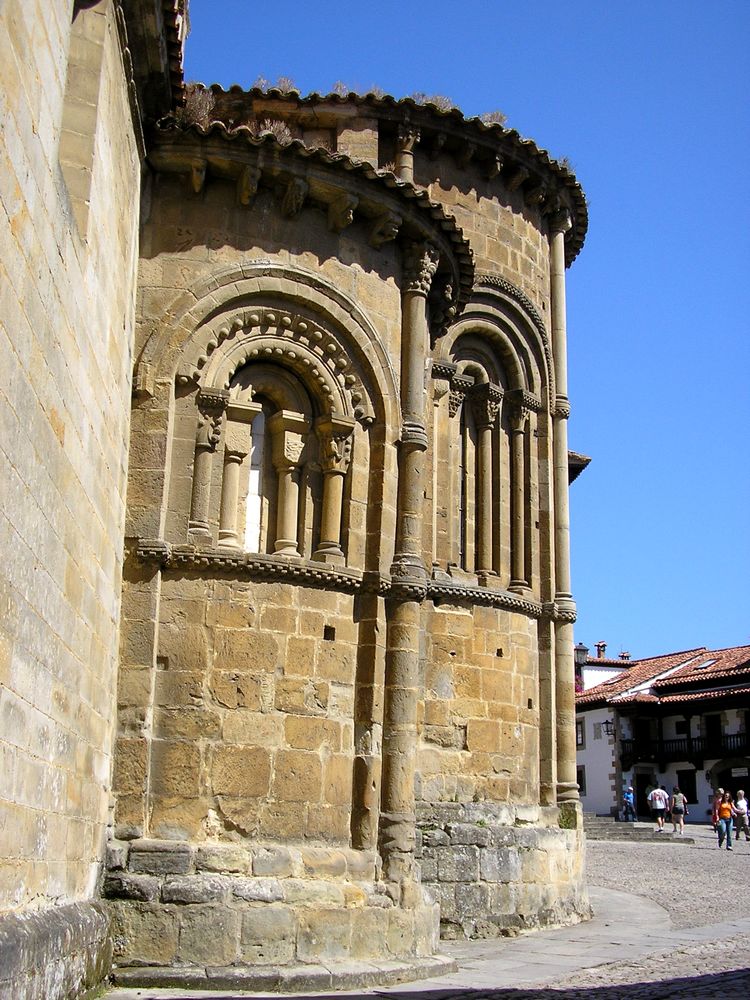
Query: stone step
[(608, 828)]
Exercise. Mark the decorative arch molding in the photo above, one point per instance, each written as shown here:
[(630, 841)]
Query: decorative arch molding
[(222, 306), (290, 340), (503, 315)]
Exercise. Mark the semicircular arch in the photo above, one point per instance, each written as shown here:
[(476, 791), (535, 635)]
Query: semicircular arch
[(290, 305), (502, 316)]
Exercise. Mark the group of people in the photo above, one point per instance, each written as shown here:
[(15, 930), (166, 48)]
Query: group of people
[(674, 805), (727, 813)]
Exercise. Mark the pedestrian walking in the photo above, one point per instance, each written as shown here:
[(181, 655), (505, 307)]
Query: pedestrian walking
[(726, 812), (715, 808), (741, 819), (628, 805), (678, 809), (658, 800)]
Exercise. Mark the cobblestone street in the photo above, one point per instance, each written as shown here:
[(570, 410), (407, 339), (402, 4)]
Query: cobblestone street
[(666, 924)]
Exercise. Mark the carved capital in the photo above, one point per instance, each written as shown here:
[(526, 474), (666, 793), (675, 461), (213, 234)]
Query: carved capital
[(288, 439), (211, 406), (522, 404), (335, 437), (294, 196), (560, 222), (420, 265), (460, 385), (408, 137), (237, 442), (485, 403), (385, 228), (341, 212)]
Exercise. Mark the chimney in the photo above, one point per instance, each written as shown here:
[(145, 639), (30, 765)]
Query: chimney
[(624, 655), (601, 649)]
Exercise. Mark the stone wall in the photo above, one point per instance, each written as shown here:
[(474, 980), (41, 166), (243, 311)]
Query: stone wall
[(500, 869), (68, 250)]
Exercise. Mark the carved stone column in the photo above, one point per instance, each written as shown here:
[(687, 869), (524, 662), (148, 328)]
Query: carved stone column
[(335, 437), (485, 402), (211, 407), (236, 448), (398, 819), (408, 137), (567, 787), (519, 421), (288, 434)]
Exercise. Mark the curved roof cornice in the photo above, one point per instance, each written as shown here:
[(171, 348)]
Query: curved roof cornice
[(344, 186), (547, 180)]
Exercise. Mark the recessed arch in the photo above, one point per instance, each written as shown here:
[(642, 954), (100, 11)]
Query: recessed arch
[(194, 320)]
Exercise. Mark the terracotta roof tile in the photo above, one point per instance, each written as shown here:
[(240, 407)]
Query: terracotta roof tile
[(690, 667)]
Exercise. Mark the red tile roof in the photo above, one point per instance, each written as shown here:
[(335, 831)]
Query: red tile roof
[(638, 672), (710, 670)]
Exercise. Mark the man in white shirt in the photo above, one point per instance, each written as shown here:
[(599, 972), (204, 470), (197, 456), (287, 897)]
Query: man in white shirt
[(658, 800)]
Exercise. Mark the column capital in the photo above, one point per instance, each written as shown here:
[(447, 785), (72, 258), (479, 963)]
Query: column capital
[(288, 437), (335, 436), (560, 221), (211, 406), (420, 264), (408, 137), (485, 403)]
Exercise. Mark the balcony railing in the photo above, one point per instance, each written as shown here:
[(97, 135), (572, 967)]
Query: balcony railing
[(685, 748)]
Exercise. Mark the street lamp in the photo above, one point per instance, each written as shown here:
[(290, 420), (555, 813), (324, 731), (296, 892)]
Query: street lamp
[(608, 727), (580, 654)]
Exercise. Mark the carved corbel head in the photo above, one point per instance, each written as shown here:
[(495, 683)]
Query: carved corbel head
[(293, 197), (385, 228), (341, 211), (197, 175), (247, 184)]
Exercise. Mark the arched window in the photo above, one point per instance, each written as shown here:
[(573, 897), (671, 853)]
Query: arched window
[(284, 462), (482, 446)]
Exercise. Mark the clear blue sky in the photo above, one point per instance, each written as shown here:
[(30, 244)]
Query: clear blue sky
[(650, 103)]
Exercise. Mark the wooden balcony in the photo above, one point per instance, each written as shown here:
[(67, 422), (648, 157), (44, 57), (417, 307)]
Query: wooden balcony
[(695, 749)]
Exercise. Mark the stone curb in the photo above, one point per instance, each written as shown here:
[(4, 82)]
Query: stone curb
[(290, 978)]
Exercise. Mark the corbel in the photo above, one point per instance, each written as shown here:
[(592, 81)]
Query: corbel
[(294, 196), (247, 184), (516, 179), (494, 165), (535, 194), (436, 146), (466, 154), (197, 175), (385, 228), (341, 211)]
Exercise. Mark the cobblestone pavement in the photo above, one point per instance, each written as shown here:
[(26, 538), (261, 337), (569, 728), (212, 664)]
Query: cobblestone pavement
[(647, 940)]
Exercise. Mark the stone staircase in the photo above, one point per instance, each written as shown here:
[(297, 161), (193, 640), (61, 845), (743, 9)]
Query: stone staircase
[(608, 828)]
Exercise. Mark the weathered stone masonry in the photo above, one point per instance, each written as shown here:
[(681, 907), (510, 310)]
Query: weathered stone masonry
[(339, 722), (346, 604)]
